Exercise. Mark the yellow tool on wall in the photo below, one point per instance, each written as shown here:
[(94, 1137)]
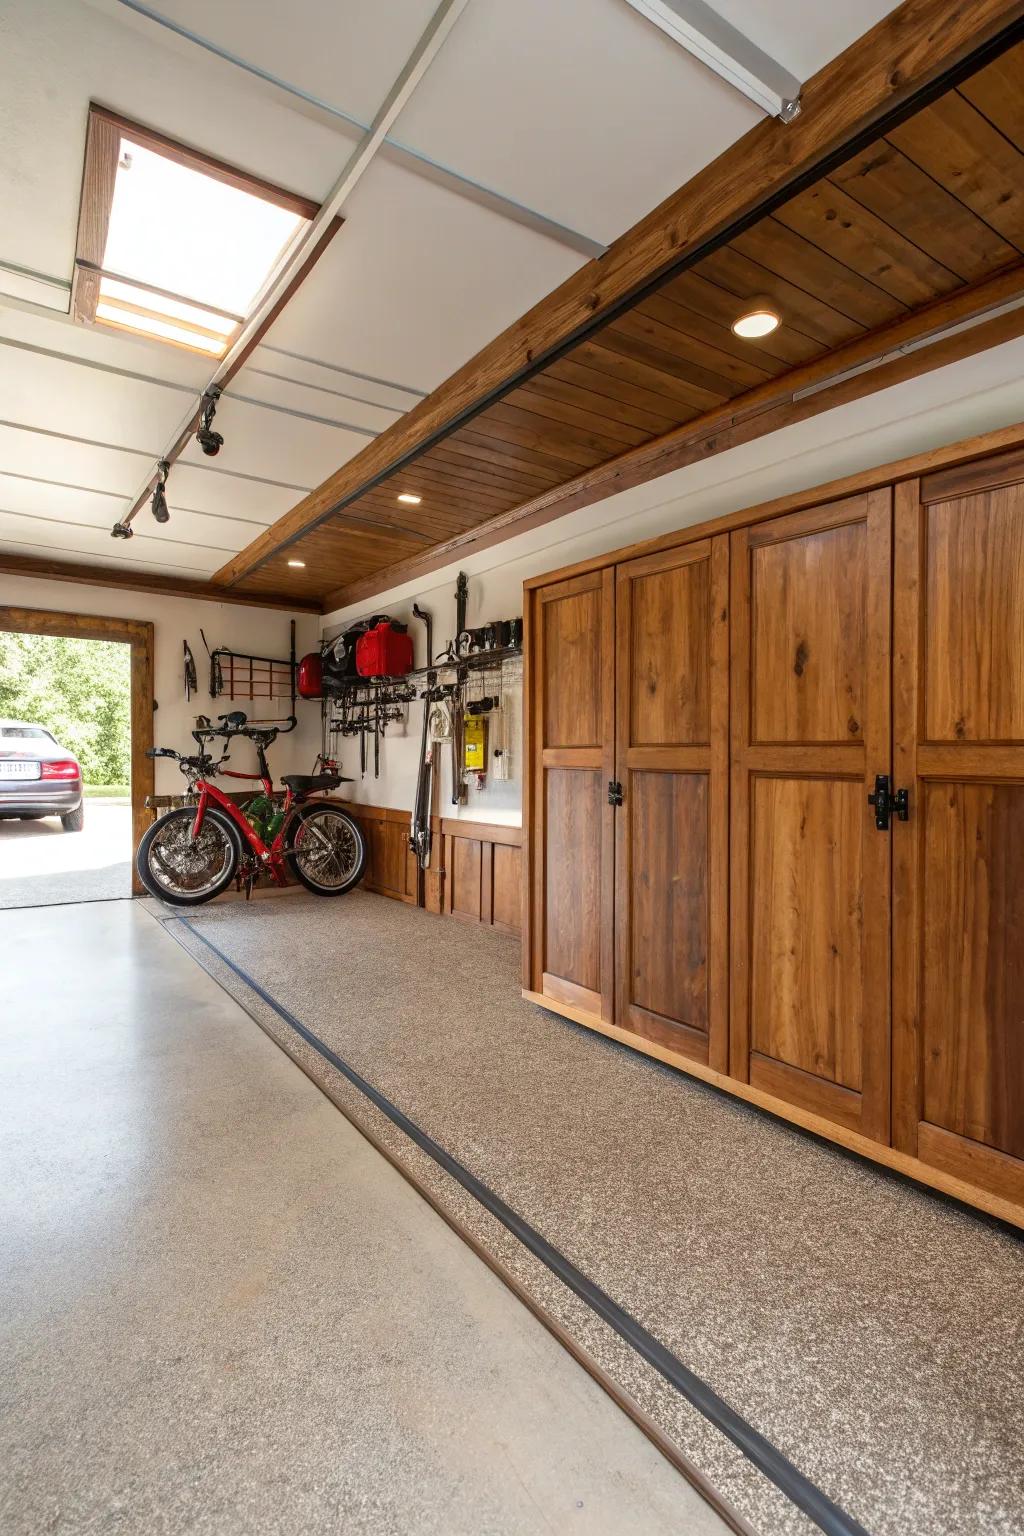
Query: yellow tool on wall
[(475, 744)]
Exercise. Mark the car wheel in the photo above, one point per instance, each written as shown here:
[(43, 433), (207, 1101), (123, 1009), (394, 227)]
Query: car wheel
[(74, 821)]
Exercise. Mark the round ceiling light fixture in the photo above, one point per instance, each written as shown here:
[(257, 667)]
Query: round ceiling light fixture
[(410, 499), (759, 318), (298, 565)]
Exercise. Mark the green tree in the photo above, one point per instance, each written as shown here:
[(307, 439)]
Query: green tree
[(78, 689)]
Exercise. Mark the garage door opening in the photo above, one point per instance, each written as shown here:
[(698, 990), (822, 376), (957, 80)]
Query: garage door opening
[(72, 691)]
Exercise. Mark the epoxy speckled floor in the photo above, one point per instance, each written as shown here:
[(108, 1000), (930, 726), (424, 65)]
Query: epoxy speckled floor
[(225, 1314), (874, 1332)]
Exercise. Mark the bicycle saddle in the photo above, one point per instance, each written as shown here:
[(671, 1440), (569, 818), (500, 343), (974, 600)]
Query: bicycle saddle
[(304, 783), (234, 721)]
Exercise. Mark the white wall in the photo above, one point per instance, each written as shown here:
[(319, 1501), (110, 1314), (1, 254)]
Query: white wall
[(977, 395), (262, 631)]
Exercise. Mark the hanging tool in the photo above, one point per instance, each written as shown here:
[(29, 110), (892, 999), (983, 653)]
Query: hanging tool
[(427, 619), (191, 678), (216, 674), (419, 829)]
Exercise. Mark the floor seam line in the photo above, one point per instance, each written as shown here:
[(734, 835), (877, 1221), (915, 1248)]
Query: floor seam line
[(678, 1459), (769, 1460)]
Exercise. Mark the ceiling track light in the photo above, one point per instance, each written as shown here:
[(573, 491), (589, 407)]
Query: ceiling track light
[(210, 442), (161, 511)]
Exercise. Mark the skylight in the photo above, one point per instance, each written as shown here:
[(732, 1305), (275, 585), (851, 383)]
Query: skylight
[(172, 244)]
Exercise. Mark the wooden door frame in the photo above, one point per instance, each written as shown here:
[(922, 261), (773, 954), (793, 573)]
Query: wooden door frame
[(138, 635)]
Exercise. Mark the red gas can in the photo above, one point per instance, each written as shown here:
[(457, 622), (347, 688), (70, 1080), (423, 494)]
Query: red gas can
[(309, 677), (383, 652)]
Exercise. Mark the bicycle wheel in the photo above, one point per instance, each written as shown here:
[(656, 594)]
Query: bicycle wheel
[(183, 870), (326, 849)]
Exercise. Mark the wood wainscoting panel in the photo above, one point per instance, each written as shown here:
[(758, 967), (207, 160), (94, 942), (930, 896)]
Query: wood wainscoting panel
[(483, 873), (391, 868), (958, 964), (810, 893)]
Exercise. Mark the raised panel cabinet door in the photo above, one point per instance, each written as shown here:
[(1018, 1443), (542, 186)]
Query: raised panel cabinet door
[(671, 837), (572, 703), (958, 964), (810, 887)]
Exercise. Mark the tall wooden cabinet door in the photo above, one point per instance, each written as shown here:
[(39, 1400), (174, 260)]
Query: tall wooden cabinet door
[(671, 840), (810, 894), (572, 749), (958, 962)]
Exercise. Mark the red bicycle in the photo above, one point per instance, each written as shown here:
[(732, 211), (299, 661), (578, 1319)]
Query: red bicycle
[(192, 854)]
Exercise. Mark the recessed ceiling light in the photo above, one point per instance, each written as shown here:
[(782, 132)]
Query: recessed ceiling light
[(300, 565), (410, 499), (759, 318)]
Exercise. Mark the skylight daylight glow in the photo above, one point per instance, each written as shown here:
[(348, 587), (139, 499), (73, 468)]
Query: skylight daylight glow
[(209, 245)]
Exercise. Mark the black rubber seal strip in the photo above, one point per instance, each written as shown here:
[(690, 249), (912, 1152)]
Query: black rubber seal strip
[(765, 1456), (888, 119)]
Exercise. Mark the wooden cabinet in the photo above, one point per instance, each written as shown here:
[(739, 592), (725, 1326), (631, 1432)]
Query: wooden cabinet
[(959, 880), (739, 913), (672, 762), (810, 873), (572, 718)]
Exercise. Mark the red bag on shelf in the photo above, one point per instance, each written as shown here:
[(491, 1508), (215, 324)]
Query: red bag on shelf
[(383, 652)]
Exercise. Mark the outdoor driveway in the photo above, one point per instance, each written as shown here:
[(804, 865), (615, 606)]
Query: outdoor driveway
[(41, 864)]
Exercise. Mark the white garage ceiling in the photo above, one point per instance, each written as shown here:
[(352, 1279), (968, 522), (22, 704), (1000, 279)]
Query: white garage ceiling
[(541, 130)]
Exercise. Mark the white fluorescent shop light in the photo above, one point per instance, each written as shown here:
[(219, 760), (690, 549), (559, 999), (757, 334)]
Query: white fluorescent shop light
[(710, 38)]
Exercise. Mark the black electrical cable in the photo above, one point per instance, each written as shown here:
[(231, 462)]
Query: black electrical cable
[(766, 1457)]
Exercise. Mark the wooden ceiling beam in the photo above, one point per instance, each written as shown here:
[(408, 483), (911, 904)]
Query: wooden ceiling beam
[(915, 48), (870, 363)]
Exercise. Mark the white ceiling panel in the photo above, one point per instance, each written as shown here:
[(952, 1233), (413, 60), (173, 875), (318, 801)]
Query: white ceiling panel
[(344, 52), (255, 384), (802, 35), (280, 447), (72, 504), (48, 392), (580, 109), (206, 489), (57, 55), (417, 281), (275, 362), (115, 349), (26, 535), (79, 463)]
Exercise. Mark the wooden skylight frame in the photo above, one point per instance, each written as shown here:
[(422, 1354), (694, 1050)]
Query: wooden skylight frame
[(102, 151)]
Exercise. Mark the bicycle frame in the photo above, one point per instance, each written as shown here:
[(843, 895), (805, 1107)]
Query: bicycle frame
[(269, 856)]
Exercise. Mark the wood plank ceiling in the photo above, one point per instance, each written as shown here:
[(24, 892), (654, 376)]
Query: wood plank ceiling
[(934, 207)]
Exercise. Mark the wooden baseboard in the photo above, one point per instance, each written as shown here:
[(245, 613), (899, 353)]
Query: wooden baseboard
[(900, 1162)]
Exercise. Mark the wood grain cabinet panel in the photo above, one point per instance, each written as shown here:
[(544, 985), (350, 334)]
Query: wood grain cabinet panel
[(671, 859), (810, 890), (807, 932), (958, 1006), (972, 991), (808, 611), (974, 627), (571, 730)]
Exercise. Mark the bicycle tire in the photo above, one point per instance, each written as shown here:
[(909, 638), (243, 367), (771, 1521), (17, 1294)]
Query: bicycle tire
[(145, 857), (355, 855)]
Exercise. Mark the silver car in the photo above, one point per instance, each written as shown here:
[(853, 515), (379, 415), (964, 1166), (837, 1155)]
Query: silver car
[(38, 777)]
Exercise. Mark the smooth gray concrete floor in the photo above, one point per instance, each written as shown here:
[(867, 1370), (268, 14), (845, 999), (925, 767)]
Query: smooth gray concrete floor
[(41, 864), (223, 1310)]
